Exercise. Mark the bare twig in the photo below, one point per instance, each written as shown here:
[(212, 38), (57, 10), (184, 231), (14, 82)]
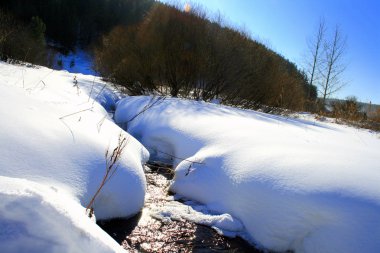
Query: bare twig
[(100, 123), (41, 80), (101, 90), (71, 131), (175, 157), (76, 85), (152, 102), (112, 159), (92, 88), (71, 114)]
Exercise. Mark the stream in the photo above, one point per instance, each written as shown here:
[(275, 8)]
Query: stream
[(143, 233)]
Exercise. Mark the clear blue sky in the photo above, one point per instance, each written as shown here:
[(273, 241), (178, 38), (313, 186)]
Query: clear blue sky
[(285, 25)]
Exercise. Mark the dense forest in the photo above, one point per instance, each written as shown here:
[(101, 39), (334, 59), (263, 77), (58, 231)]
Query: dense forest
[(147, 47), (22, 41), (73, 22)]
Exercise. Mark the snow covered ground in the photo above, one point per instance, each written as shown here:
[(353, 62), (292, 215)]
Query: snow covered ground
[(293, 184), (283, 183), (37, 218), (53, 140), (78, 62)]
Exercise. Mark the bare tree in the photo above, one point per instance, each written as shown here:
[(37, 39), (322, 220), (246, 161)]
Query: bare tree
[(334, 66), (315, 46)]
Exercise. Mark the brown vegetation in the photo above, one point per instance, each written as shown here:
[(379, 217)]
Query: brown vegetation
[(183, 54), (350, 112), (348, 109), (22, 41)]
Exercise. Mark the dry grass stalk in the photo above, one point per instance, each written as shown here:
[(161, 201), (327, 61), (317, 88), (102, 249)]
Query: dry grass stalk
[(71, 114), (92, 88), (152, 102), (100, 123), (175, 157), (112, 159)]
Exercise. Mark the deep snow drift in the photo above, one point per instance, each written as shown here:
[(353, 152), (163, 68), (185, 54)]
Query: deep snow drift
[(56, 137), (293, 183), (36, 218)]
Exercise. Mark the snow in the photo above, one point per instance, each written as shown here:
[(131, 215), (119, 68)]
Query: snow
[(36, 218), (294, 184), (224, 223), (82, 60), (283, 183), (54, 135)]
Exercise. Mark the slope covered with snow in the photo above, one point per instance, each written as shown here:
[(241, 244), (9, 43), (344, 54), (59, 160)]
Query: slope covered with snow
[(54, 134), (294, 184)]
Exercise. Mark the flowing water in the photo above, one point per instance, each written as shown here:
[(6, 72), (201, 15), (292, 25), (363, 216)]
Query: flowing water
[(143, 233)]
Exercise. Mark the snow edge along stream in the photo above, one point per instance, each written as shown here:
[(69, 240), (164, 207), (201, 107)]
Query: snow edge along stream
[(295, 184)]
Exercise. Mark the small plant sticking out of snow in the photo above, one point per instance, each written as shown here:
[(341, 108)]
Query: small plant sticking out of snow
[(188, 170), (75, 81), (152, 102), (112, 159)]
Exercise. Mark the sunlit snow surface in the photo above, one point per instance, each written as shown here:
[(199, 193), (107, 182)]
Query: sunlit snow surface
[(53, 138), (37, 218), (295, 184), (287, 183)]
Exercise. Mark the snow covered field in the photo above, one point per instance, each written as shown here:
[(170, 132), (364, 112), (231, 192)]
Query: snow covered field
[(283, 183), (51, 162), (295, 184)]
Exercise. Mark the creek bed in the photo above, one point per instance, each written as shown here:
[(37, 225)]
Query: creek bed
[(142, 233)]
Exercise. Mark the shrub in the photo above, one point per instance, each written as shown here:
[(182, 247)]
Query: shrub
[(183, 54), (22, 42), (348, 109)]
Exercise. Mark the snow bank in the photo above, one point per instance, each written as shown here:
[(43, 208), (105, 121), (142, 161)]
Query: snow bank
[(295, 184), (56, 133), (36, 218)]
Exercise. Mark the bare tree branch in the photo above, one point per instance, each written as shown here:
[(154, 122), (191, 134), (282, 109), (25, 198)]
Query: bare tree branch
[(333, 68), (316, 49)]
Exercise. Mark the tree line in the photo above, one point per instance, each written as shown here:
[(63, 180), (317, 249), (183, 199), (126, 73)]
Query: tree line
[(22, 41), (183, 54), (77, 22)]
